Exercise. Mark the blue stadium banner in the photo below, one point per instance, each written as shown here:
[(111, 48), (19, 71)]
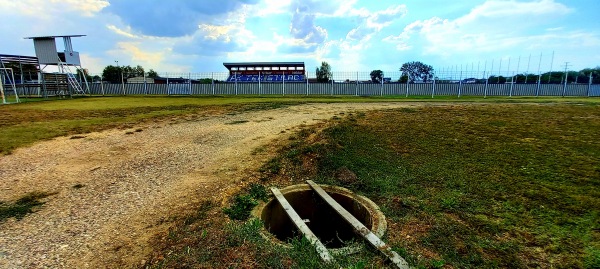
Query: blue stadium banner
[(266, 78)]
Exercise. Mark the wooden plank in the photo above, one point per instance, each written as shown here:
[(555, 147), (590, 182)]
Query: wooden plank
[(297, 220), (359, 228)]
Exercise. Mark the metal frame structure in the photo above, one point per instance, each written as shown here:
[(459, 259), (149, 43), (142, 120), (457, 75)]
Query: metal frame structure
[(15, 64), (65, 81), (11, 78)]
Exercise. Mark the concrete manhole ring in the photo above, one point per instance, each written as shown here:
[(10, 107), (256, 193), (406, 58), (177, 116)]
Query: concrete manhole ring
[(331, 229)]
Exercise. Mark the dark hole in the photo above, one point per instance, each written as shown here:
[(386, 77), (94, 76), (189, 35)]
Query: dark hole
[(325, 223)]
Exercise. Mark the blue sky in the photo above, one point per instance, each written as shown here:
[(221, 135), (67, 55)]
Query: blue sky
[(352, 35)]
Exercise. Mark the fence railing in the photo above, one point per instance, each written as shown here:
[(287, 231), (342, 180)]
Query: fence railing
[(360, 89), (343, 83)]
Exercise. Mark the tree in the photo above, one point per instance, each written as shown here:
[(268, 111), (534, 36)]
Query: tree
[(113, 73), (496, 80), (595, 74), (324, 73), (152, 74), (377, 76), (417, 71)]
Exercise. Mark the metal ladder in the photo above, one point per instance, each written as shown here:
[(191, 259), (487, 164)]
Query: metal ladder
[(75, 85)]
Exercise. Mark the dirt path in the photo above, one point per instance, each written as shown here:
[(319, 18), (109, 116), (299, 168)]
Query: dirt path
[(132, 183)]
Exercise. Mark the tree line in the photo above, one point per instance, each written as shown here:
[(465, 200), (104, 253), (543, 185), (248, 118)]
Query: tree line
[(114, 74), (413, 72)]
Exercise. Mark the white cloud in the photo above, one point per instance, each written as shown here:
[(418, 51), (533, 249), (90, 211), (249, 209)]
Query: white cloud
[(491, 26), (270, 7), (124, 32), (48, 9), (380, 19), (374, 22)]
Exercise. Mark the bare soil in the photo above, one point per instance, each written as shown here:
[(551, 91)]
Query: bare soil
[(118, 189)]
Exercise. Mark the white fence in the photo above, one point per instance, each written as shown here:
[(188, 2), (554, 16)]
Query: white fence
[(360, 89)]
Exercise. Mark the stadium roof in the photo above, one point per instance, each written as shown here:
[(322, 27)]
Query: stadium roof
[(263, 64), (52, 36), (18, 59)]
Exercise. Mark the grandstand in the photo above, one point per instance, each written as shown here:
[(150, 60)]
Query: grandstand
[(266, 72)]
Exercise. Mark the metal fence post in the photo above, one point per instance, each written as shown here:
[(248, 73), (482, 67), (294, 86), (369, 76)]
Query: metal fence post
[(460, 83), (381, 88), (332, 87), (537, 90), (306, 85), (283, 85), (407, 80), (102, 86), (190, 82), (168, 91), (433, 89), (589, 85), (512, 83), (122, 82), (356, 86), (145, 85), (487, 80), (565, 85), (212, 81)]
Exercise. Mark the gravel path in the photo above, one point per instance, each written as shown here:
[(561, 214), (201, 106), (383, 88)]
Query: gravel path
[(132, 183)]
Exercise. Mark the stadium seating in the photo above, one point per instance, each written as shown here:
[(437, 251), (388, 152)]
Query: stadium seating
[(266, 78)]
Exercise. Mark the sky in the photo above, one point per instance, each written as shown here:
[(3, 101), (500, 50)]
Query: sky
[(351, 35)]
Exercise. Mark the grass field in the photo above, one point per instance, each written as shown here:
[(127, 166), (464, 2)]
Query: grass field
[(462, 186), (40, 119), (510, 186)]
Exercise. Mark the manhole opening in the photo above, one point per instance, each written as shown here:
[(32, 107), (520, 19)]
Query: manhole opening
[(324, 222)]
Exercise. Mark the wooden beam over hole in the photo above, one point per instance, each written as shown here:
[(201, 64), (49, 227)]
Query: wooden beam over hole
[(359, 228), (299, 223)]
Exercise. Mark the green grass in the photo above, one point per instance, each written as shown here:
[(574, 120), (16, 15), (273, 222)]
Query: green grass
[(489, 186), (496, 185), (27, 123), (39, 119), (22, 206)]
